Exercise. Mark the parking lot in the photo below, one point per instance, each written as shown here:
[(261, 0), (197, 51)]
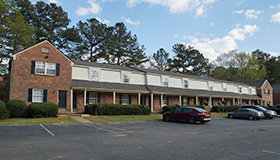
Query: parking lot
[(219, 139)]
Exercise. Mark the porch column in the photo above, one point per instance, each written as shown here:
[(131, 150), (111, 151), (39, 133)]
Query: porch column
[(241, 103), (210, 101), (139, 98), (114, 97), (223, 100), (152, 102), (85, 97), (250, 101), (180, 100), (71, 109), (233, 101), (161, 101), (196, 100)]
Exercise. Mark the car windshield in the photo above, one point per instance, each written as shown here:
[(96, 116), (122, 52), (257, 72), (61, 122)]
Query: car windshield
[(200, 110), (261, 108)]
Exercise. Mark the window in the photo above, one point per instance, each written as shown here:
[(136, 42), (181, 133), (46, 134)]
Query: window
[(45, 49), (94, 75), (165, 100), (124, 99), (165, 82), (240, 89), (186, 84), (45, 68), (187, 110), (210, 86), (179, 110), (266, 91), (93, 98), (38, 95), (250, 90), (268, 103), (125, 78), (224, 87), (185, 101)]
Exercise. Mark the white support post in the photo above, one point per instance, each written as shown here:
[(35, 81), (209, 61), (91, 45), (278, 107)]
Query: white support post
[(114, 97), (161, 101), (210, 101), (196, 100), (139, 98), (71, 109), (85, 97), (152, 102), (233, 101), (180, 100)]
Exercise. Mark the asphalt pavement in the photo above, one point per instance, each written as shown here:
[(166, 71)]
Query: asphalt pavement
[(220, 139)]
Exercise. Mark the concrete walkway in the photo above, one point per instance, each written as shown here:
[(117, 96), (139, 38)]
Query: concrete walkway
[(81, 119)]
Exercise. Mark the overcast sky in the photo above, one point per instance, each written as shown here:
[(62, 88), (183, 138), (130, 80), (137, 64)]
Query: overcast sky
[(211, 26)]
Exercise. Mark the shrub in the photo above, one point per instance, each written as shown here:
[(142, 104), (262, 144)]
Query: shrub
[(16, 108), (224, 108), (46, 109), (168, 108), (49, 109), (116, 109), (36, 110), (4, 112)]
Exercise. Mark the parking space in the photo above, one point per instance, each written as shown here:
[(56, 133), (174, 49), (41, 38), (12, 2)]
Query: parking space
[(219, 139)]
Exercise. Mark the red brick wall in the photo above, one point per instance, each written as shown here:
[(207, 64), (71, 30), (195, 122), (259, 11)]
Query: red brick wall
[(22, 79), (267, 97), (276, 97), (173, 100)]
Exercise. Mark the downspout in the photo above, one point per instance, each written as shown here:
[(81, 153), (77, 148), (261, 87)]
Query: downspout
[(11, 77)]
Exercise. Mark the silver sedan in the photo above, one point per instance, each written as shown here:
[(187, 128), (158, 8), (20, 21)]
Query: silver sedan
[(246, 113)]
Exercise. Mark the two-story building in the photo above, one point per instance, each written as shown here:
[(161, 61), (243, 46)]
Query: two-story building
[(42, 73)]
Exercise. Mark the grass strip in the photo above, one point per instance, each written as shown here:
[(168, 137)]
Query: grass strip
[(37, 121)]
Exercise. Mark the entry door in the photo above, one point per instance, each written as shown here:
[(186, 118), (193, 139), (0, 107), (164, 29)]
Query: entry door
[(62, 99)]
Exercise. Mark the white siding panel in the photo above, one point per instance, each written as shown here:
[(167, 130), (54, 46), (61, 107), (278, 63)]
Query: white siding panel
[(217, 87), (175, 82), (137, 79), (80, 73), (110, 76), (154, 80), (193, 84), (232, 88)]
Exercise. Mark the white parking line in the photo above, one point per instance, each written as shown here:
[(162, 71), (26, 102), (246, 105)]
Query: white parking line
[(47, 130), (271, 152), (102, 129)]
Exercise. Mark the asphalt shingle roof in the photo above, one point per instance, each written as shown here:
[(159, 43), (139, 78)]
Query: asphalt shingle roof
[(257, 84), (276, 87)]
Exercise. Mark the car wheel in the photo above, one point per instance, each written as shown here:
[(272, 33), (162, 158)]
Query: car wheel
[(265, 116), (191, 120), (167, 118), (251, 117), (230, 116)]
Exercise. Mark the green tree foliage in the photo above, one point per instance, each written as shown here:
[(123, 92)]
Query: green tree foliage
[(121, 47), (48, 20), (15, 34), (189, 60), (239, 67), (159, 60)]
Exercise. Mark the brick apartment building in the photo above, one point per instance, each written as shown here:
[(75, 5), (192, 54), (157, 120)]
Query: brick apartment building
[(42, 73)]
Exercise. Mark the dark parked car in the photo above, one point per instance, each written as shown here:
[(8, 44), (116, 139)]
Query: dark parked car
[(246, 113), (267, 113), (276, 109), (187, 114)]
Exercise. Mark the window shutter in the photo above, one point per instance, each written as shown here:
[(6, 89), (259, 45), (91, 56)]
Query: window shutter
[(167, 99), (32, 67), (188, 101), (98, 98), (120, 99), (87, 99), (45, 95), (29, 94), (129, 99), (182, 101), (57, 69)]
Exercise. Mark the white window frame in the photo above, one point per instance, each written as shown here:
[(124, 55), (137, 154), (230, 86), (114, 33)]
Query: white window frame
[(164, 100), (125, 99), (250, 90), (239, 89), (210, 86), (126, 78), (165, 81), (46, 67), (45, 49), (186, 85), (34, 91), (94, 74), (93, 98), (266, 91), (224, 85)]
